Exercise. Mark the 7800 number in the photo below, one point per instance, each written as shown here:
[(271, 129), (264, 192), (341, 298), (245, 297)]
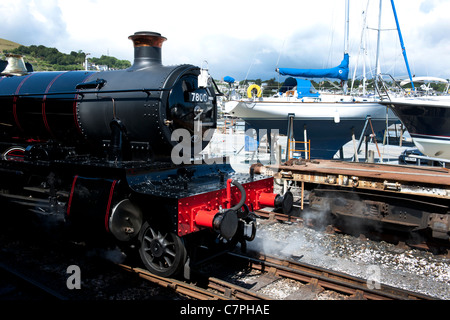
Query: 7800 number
[(198, 97)]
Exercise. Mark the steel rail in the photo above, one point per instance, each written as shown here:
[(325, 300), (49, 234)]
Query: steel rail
[(328, 279), (176, 285), (228, 291), (231, 290)]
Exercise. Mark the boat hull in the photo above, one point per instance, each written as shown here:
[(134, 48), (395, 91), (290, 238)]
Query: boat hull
[(328, 125), (428, 122)]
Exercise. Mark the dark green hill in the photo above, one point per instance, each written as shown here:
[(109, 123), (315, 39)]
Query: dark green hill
[(50, 59)]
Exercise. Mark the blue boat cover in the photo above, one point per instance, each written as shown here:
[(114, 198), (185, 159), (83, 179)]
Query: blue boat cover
[(339, 72), (228, 79), (304, 87)]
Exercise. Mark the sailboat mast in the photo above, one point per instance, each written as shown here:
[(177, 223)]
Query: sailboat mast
[(362, 51), (402, 44), (377, 60), (346, 29), (346, 38)]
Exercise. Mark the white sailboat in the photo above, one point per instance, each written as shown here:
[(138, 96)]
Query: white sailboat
[(328, 119)]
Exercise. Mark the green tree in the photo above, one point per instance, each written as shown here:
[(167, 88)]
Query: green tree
[(44, 58)]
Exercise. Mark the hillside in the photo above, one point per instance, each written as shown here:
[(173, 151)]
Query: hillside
[(6, 45), (50, 59)]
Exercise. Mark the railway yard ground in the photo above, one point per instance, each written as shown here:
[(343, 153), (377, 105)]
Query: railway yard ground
[(106, 289), (394, 265), (47, 260)]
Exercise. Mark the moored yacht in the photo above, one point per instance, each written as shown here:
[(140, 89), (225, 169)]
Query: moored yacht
[(427, 120), (327, 120)]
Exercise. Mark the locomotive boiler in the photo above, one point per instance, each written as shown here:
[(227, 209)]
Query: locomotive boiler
[(96, 148)]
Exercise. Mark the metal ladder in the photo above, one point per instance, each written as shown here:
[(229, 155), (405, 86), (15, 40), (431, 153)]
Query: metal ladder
[(383, 91)]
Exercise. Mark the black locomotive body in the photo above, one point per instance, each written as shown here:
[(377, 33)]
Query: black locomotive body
[(96, 148), (138, 107)]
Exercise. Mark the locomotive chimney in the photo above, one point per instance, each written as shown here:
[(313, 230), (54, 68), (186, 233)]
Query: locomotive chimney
[(147, 49), (15, 66)]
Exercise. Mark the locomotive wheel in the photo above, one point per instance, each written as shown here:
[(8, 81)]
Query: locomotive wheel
[(163, 253)]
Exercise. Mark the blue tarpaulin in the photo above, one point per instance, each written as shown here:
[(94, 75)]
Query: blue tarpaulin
[(304, 87), (228, 79), (339, 72)]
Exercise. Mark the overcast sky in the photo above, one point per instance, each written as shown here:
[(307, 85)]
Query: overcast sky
[(240, 38)]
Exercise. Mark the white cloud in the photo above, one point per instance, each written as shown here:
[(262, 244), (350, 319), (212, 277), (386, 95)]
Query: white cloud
[(236, 37), (32, 22)]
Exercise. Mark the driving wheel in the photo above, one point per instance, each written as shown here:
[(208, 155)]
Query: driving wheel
[(163, 253)]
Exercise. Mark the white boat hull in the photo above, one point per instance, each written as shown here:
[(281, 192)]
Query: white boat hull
[(329, 125), (428, 122)]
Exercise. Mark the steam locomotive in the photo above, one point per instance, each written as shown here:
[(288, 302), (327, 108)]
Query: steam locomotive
[(97, 148)]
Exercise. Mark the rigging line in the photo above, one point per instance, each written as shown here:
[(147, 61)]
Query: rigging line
[(376, 29), (281, 51), (329, 61), (251, 65), (248, 71), (278, 60), (331, 41), (362, 46)]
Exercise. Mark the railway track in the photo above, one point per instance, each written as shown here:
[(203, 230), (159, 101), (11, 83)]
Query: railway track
[(218, 289), (268, 269), (318, 279), (314, 279), (213, 288)]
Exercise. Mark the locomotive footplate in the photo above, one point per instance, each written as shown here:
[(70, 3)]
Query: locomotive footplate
[(208, 199), (197, 195)]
